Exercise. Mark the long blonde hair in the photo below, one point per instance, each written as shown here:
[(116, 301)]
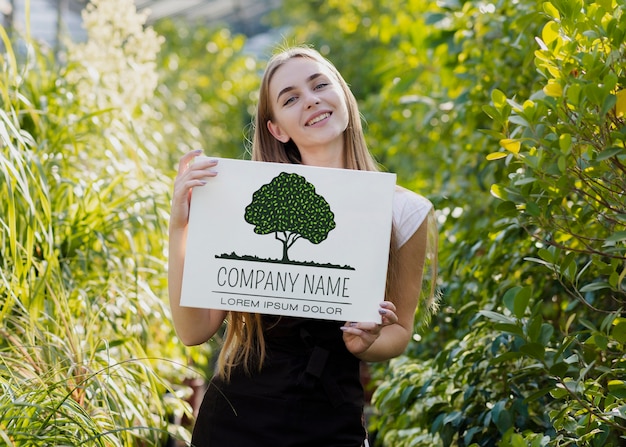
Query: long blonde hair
[(244, 342)]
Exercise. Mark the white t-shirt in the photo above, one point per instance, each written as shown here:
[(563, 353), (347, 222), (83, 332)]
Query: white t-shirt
[(409, 211)]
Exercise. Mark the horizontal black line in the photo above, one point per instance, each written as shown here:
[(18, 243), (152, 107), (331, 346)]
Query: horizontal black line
[(279, 261), (279, 297)]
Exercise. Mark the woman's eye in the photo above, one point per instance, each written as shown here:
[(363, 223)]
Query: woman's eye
[(321, 85), (289, 100)]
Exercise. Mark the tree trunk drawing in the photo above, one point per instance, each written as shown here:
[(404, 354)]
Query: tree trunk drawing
[(285, 248), (288, 240)]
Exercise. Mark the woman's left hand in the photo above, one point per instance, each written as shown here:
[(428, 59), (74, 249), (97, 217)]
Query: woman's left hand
[(358, 337)]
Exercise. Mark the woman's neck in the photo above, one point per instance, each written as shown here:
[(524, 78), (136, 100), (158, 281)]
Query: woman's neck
[(326, 157)]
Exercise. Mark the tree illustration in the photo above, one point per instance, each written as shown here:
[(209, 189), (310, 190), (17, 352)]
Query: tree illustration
[(289, 207)]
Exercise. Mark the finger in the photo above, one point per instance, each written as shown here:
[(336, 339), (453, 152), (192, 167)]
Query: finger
[(352, 328), (367, 336), (388, 305), (195, 174), (183, 184), (388, 316), (202, 163), (186, 159), (363, 327)]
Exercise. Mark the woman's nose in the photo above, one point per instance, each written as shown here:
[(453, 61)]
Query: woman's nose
[(312, 99)]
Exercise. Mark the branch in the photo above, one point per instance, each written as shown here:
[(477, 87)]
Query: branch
[(296, 236)]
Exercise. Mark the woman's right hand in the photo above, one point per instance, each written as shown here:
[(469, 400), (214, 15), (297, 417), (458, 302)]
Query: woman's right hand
[(192, 172), (193, 325)]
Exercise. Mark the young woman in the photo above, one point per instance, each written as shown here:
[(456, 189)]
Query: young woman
[(284, 381)]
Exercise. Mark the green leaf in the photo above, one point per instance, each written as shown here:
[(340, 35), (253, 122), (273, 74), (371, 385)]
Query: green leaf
[(547, 255), (501, 416), (534, 350), (559, 369), (509, 298), (492, 112), (406, 395), (618, 236), (565, 143), (533, 328), (619, 332), (498, 98), (452, 418), (516, 300), (506, 357), (499, 318), (598, 340), (549, 265), (559, 393), (538, 394), (595, 286), (510, 328), (507, 209), (498, 191), (617, 388), (568, 266), (610, 152), (550, 32), (469, 434), (546, 333), (533, 209), (551, 10)]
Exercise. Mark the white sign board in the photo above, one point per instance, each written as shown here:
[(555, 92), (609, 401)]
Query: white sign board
[(290, 240)]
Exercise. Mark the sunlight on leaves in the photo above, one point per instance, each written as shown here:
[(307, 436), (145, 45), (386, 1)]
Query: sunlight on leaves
[(511, 145)]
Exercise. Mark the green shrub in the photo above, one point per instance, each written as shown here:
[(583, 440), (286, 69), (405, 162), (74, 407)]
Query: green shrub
[(87, 346)]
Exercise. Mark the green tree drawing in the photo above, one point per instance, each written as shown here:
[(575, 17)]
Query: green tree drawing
[(289, 207)]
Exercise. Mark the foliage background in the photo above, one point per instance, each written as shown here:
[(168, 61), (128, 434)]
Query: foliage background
[(509, 116)]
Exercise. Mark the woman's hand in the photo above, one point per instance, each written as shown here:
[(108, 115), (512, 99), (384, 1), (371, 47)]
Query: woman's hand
[(193, 326), (192, 172), (359, 337)]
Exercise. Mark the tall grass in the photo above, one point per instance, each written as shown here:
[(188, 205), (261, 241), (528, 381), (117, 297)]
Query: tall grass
[(86, 346)]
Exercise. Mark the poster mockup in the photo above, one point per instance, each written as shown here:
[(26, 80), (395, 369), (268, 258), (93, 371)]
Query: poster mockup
[(290, 240)]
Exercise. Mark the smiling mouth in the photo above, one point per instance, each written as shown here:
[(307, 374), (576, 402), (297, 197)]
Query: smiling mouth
[(318, 118)]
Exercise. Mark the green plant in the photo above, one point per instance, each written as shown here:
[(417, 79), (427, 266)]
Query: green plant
[(206, 94), (564, 147), (86, 346), (66, 365)]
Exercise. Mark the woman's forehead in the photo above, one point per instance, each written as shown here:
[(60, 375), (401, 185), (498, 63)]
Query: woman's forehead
[(296, 70)]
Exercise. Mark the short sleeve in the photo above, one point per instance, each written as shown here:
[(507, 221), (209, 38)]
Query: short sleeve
[(409, 211)]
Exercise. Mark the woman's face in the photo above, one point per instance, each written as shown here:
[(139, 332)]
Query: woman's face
[(308, 107)]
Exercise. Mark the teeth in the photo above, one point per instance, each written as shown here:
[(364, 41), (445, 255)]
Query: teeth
[(318, 119)]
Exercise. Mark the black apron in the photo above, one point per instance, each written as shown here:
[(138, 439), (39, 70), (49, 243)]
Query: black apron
[(308, 393)]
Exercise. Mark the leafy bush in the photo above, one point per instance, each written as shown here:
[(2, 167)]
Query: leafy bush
[(566, 186), (86, 340), (543, 364), (73, 349), (207, 91)]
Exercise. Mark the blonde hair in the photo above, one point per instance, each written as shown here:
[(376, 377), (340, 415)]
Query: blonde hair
[(244, 342)]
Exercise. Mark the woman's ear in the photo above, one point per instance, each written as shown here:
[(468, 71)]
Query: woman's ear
[(277, 131)]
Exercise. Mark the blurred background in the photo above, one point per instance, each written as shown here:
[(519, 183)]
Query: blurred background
[(51, 20)]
